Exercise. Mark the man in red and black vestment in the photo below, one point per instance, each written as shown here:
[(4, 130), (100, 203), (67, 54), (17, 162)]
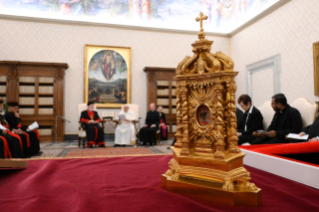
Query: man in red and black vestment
[(90, 121), (33, 138), (4, 148), (13, 141)]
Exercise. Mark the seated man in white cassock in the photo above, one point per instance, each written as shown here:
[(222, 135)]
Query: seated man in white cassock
[(125, 130)]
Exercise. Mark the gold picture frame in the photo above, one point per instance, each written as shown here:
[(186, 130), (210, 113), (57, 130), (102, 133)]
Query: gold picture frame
[(316, 67), (107, 75)]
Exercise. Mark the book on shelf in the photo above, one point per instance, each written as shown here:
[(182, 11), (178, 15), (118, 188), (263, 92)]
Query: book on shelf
[(165, 110), (173, 92), (45, 89), (27, 79), (174, 128), (27, 100), (46, 80), (46, 101), (173, 111), (162, 101), (45, 111), (162, 83), (3, 89), (162, 91), (45, 131), (27, 89), (174, 101), (173, 83), (3, 78), (26, 111)]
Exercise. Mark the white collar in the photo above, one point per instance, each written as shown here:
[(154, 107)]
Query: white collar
[(251, 109)]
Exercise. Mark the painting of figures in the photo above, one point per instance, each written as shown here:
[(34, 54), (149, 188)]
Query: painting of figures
[(107, 79), (224, 16)]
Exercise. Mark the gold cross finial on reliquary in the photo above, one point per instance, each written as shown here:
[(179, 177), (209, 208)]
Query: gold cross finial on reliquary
[(200, 19)]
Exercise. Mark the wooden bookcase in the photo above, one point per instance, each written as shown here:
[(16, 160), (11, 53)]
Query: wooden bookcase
[(161, 91), (39, 89)]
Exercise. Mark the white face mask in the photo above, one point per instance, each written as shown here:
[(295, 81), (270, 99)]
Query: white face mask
[(90, 109)]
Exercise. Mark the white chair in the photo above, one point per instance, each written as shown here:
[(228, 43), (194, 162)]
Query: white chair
[(307, 110), (268, 113), (134, 108)]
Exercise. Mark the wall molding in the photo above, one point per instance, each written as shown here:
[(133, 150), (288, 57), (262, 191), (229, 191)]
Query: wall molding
[(273, 62)]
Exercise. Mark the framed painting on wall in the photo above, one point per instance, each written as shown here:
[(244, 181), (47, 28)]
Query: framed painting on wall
[(107, 75)]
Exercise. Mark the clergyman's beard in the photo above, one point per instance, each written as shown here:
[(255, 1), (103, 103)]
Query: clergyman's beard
[(276, 109)]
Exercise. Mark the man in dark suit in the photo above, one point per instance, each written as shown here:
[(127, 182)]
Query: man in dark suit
[(312, 131), (286, 120), (240, 118), (252, 120), (148, 132)]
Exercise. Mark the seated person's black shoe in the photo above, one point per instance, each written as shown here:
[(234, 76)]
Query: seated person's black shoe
[(116, 145), (123, 145), (38, 154)]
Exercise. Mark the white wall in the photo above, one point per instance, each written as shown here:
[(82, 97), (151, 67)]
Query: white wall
[(40, 42), (289, 31)]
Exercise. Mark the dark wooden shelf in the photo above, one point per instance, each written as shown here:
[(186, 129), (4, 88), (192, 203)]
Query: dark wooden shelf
[(27, 105), (27, 83), (162, 86), (26, 94), (55, 71), (156, 74)]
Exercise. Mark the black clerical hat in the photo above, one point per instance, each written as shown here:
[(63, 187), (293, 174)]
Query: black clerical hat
[(13, 104), (90, 102), (1, 101)]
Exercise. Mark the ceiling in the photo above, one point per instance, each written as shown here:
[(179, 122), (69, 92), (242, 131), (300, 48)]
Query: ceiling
[(225, 17)]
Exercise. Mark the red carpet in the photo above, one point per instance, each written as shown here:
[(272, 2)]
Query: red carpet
[(128, 184)]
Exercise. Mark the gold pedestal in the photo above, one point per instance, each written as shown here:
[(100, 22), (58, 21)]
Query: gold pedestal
[(207, 162), (212, 192), (223, 181)]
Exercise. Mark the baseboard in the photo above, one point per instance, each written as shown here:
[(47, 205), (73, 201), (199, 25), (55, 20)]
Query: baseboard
[(70, 137)]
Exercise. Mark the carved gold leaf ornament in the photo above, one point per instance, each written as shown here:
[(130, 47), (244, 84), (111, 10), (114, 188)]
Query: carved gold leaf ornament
[(206, 138)]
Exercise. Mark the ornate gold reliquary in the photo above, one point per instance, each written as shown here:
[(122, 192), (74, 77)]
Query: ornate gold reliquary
[(207, 162)]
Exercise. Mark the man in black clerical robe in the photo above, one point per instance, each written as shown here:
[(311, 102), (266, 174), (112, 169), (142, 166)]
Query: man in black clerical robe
[(13, 140), (90, 121), (286, 120), (252, 120), (148, 132), (312, 131), (12, 116)]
